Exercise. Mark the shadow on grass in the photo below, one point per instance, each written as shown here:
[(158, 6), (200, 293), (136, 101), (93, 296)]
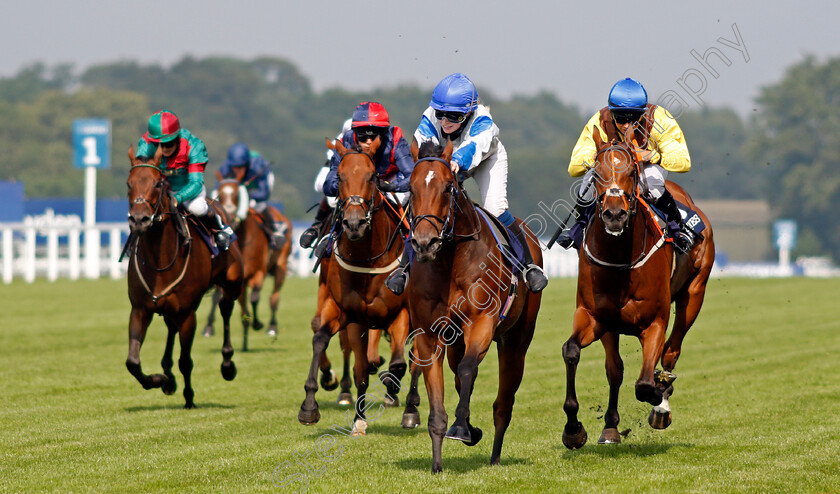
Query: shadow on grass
[(174, 406), (620, 450), (458, 464), (238, 351)]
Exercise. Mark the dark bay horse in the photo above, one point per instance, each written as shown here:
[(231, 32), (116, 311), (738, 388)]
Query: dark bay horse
[(459, 291), (355, 297), (168, 275), (259, 261), (628, 278)]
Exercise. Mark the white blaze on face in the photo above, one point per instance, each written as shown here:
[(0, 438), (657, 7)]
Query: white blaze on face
[(429, 177)]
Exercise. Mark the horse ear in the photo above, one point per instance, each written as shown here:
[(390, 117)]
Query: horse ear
[(596, 136), (339, 148), (330, 143), (374, 145), (447, 151), (415, 149), (158, 157), (131, 156)]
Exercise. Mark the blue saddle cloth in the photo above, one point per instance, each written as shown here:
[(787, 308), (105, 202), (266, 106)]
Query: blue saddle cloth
[(690, 218)]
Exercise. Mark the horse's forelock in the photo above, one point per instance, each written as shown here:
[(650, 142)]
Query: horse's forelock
[(430, 150)]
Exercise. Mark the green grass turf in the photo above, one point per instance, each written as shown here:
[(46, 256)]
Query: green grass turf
[(756, 406)]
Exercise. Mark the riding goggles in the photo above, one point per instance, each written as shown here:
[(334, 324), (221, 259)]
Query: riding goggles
[(363, 134), (625, 116), (451, 116)]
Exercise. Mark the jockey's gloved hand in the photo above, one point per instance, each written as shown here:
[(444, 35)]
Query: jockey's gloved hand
[(644, 154), (386, 186)]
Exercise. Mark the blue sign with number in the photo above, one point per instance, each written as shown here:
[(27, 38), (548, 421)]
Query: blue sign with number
[(92, 142)]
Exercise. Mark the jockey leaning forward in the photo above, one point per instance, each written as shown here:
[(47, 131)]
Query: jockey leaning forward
[(455, 113), (183, 162), (659, 147), (256, 180)]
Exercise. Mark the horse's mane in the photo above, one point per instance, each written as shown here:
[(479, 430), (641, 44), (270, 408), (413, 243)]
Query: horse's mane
[(429, 150)]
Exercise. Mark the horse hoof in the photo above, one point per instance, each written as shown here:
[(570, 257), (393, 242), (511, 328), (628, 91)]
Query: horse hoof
[(329, 381), (373, 367), (208, 331), (411, 420), (309, 417), (476, 434), (228, 371), (189, 406), (659, 418), (272, 331), (359, 428), (610, 436), (459, 433), (345, 399), (392, 401), (169, 386), (257, 325), (576, 440)]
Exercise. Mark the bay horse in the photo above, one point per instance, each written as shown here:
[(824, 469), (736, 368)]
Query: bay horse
[(259, 261), (462, 297), (168, 274), (627, 279), (354, 295)]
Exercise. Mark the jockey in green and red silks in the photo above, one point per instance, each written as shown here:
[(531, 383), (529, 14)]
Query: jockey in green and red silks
[(183, 162)]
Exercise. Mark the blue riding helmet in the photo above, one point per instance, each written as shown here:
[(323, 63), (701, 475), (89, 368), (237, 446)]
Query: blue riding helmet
[(238, 155), (455, 93), (627, 94)]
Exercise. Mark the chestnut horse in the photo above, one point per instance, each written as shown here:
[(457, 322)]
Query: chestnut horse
[(459, 293), (168, 275), (627, 279), (355, 297), (258, 258)]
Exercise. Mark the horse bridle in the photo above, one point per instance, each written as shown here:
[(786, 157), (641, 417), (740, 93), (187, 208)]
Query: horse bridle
[(613, 190), (163, 187), (360, 201), (446, 231)]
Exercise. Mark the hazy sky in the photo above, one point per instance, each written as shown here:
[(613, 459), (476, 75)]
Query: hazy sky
[(576, 51)]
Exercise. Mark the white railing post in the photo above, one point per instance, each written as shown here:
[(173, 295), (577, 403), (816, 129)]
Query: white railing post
[(8, 255), (116, 247), (92, 244), (75, 253), (52, 254), (29, 255)]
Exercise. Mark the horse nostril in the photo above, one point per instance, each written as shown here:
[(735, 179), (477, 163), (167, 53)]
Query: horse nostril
[(415, 245), (608, 215)]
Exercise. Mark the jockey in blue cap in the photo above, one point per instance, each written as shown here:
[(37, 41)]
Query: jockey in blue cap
[(256, 180), (456, 113), (660, 148)]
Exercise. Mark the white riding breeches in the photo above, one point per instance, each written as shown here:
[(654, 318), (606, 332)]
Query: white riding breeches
[(198, 204), (491, 176)]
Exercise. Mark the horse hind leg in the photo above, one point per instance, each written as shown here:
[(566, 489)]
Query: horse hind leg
[(274, 300), (246, 317), (574, 434), (411, 415), (256, 290), (211, 317), (398, 331), (170, 385), (345, 396), (511, 368), (184, 325), (228, 367)]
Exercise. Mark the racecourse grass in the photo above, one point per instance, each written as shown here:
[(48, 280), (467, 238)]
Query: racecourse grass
[(756, 406)]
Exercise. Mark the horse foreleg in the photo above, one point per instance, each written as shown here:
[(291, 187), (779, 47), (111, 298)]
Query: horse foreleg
[(652, 340), (169, 386), (184, 324), (574, 434), (228, 367), (256, 290), (375, 361), (396, 368), (615, 375), (411, 416), (274, 300), (330, 314), (211, 317), (428, 358), (138, 323), (467, 372), (246, 316), (345, 396), (357, 335)]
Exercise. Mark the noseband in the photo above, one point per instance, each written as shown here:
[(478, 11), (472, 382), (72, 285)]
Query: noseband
[(446, 231), (360, 201), (613, 190)]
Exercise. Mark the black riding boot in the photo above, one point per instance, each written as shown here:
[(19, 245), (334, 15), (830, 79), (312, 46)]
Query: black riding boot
[(277, 237), (681, 240), (573, 235), (534, 276), (398, 279), (308, 237), (221, 232)]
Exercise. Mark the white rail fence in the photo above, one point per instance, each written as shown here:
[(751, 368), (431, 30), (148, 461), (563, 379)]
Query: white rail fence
[(55, 247)]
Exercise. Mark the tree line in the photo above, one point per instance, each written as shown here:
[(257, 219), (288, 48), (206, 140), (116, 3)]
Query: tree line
[(783, 153)]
